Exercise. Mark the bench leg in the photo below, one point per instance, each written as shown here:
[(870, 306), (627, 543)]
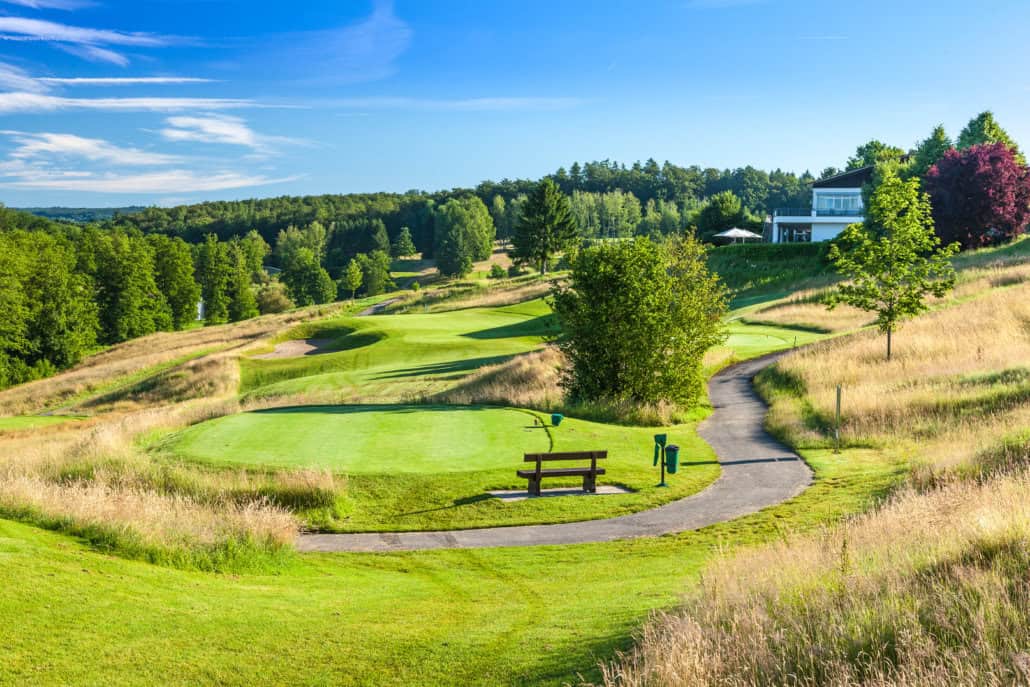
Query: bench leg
[(590, 484), (534, 486)]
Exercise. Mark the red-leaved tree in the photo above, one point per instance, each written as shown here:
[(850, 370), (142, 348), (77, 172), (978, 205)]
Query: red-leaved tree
[(980, 195)]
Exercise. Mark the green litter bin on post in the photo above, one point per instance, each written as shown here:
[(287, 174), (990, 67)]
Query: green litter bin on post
[(672, 458), (556, 419)]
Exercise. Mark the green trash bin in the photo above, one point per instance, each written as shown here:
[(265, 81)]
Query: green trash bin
[(556, 419), (672, 458)]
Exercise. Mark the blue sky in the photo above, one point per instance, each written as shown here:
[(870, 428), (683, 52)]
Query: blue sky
[(106, 103)]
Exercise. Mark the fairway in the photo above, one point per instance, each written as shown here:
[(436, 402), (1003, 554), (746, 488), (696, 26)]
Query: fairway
[(370, 439)]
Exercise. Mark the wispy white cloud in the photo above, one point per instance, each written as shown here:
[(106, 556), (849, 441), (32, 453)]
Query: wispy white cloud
[(498, 104), (94, 53), (39, 29), (15, 102), (120, 81), (35, 146), (221, 129), (18, 79), (171, 181), (87, 43), (51, 4)]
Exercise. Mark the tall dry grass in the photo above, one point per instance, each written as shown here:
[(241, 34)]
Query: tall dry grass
[(930, 589), (527, 381), (959, 383), (126, 361), (533, 380), (807, 309), (98, 480)]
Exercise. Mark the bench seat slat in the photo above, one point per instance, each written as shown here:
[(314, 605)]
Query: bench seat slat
[(571, 455), (561, 472)]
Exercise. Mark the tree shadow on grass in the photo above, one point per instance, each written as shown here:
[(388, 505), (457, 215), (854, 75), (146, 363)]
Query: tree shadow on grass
[(544, 325), (456, 503), (453, 367), (367, 408)]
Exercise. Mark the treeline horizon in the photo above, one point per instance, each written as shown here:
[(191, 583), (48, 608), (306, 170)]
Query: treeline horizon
[(636, 187)]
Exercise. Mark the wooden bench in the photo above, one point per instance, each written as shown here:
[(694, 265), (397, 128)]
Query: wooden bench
[(589, 474)]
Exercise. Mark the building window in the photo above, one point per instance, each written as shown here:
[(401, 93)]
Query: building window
[(795, 233), (839, 202)]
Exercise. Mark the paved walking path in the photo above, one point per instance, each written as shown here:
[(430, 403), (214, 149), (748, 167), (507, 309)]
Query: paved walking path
[(757, 472)]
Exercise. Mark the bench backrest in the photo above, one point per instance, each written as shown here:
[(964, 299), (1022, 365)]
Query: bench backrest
[(569, 455)]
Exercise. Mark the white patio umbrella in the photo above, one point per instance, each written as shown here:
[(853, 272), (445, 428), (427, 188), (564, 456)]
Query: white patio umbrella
[(738, 235)]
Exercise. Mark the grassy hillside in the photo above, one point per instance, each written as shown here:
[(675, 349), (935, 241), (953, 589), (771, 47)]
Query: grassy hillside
[(931, 588), (183, 570)]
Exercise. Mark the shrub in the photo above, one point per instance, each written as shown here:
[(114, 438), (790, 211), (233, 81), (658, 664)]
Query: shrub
[(497, 272), (272, 298)]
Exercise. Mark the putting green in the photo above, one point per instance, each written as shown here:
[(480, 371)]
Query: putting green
[(369, 439)]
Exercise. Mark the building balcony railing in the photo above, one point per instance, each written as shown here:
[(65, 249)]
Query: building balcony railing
[(792, 212), (832, 212), (819, 212)]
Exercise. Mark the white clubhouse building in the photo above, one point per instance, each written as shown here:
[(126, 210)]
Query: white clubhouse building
[(836, 203)]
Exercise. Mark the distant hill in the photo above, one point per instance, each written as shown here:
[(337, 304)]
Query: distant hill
[(82, 214)]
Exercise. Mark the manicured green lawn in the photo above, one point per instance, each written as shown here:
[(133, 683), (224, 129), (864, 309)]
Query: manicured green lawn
[(524, 616), (370, 439), (430, 467), (391, 358)]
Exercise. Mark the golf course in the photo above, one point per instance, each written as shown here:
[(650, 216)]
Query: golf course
[(359, 438)]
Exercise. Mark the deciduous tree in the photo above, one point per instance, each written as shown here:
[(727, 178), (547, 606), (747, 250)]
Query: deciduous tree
[(980, 196), (637, 318), (306, 280), (352, 277), (929, 152), (893, 261), (174, 270)]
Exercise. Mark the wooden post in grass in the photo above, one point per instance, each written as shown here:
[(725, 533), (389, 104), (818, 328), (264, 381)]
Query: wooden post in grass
[(836, 426)]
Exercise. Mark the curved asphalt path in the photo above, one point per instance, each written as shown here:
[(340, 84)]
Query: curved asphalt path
[(757, 472)]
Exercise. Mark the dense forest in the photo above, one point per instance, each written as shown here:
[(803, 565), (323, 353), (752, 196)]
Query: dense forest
[(611, 199)]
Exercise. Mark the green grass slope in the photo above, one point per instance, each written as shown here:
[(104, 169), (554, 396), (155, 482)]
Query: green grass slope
[(392, 357), (525, 616)]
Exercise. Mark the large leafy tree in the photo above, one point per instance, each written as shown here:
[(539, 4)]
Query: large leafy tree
[(981, 195), (983, 129), (722, 211), (173, 262), (375, 272), (130, 302), (546, 226), (499, 213), (61, 324), (213, 269), (306, 280), (893, 261), (464, 233), (873, 153), (255, 250), (637, 317), (242, 302), (929, 151)]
